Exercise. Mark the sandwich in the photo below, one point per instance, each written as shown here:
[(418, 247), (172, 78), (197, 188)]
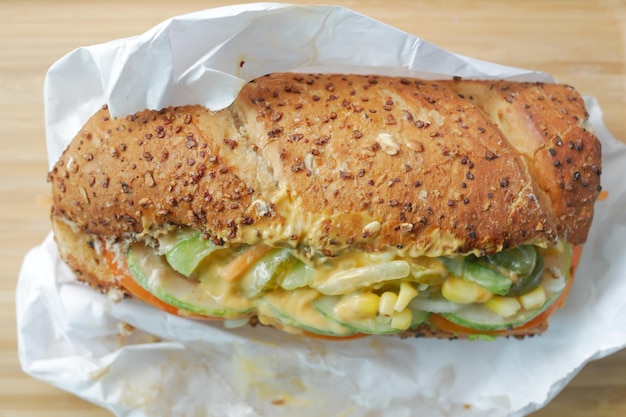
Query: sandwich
[(338, 206)]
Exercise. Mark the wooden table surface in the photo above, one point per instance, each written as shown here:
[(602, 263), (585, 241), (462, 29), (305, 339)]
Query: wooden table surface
[(581, 43)]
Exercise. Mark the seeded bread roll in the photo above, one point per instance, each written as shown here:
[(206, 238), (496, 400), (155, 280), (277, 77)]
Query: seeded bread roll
[(335, 162)]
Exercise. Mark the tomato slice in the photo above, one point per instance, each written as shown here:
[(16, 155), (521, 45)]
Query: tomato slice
[(443, 324), (447, 326), (144, 295)]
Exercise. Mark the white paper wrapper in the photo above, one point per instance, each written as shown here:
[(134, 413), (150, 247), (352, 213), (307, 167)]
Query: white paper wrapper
[(73, 337)]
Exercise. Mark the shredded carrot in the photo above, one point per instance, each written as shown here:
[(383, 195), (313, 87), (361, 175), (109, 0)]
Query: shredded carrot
[(604, 194), (238, 266), (334, 338)]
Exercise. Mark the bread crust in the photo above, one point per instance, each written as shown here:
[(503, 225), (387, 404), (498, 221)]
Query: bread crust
[(340, 161)]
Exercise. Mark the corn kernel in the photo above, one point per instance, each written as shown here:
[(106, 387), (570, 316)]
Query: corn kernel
[(534, 299), (503, 306), (462, 291), (357, 306), (402, 320), (383, 319), (387, 302), (405, 295)]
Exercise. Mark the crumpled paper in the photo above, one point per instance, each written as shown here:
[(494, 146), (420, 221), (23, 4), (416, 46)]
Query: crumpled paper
[(137, 361)]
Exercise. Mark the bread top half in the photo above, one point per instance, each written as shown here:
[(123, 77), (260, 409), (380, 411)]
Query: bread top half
[(334, 162)]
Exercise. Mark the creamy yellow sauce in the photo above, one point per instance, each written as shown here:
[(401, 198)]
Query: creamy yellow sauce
[(293, 309)]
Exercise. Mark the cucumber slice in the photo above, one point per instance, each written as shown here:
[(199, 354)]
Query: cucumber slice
[(294, 308), (326, 306), (434, 305), (266, 272), (299, 275), (486, 277), (185, 255), (154, 274)]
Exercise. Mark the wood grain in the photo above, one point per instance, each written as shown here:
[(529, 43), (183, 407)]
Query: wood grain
[(580, 43)]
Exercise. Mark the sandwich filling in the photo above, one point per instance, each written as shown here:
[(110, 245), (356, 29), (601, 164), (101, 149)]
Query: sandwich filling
[(351, 293)]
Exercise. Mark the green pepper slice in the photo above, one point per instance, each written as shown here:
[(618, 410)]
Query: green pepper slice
[(529, 282), (520, 260)]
